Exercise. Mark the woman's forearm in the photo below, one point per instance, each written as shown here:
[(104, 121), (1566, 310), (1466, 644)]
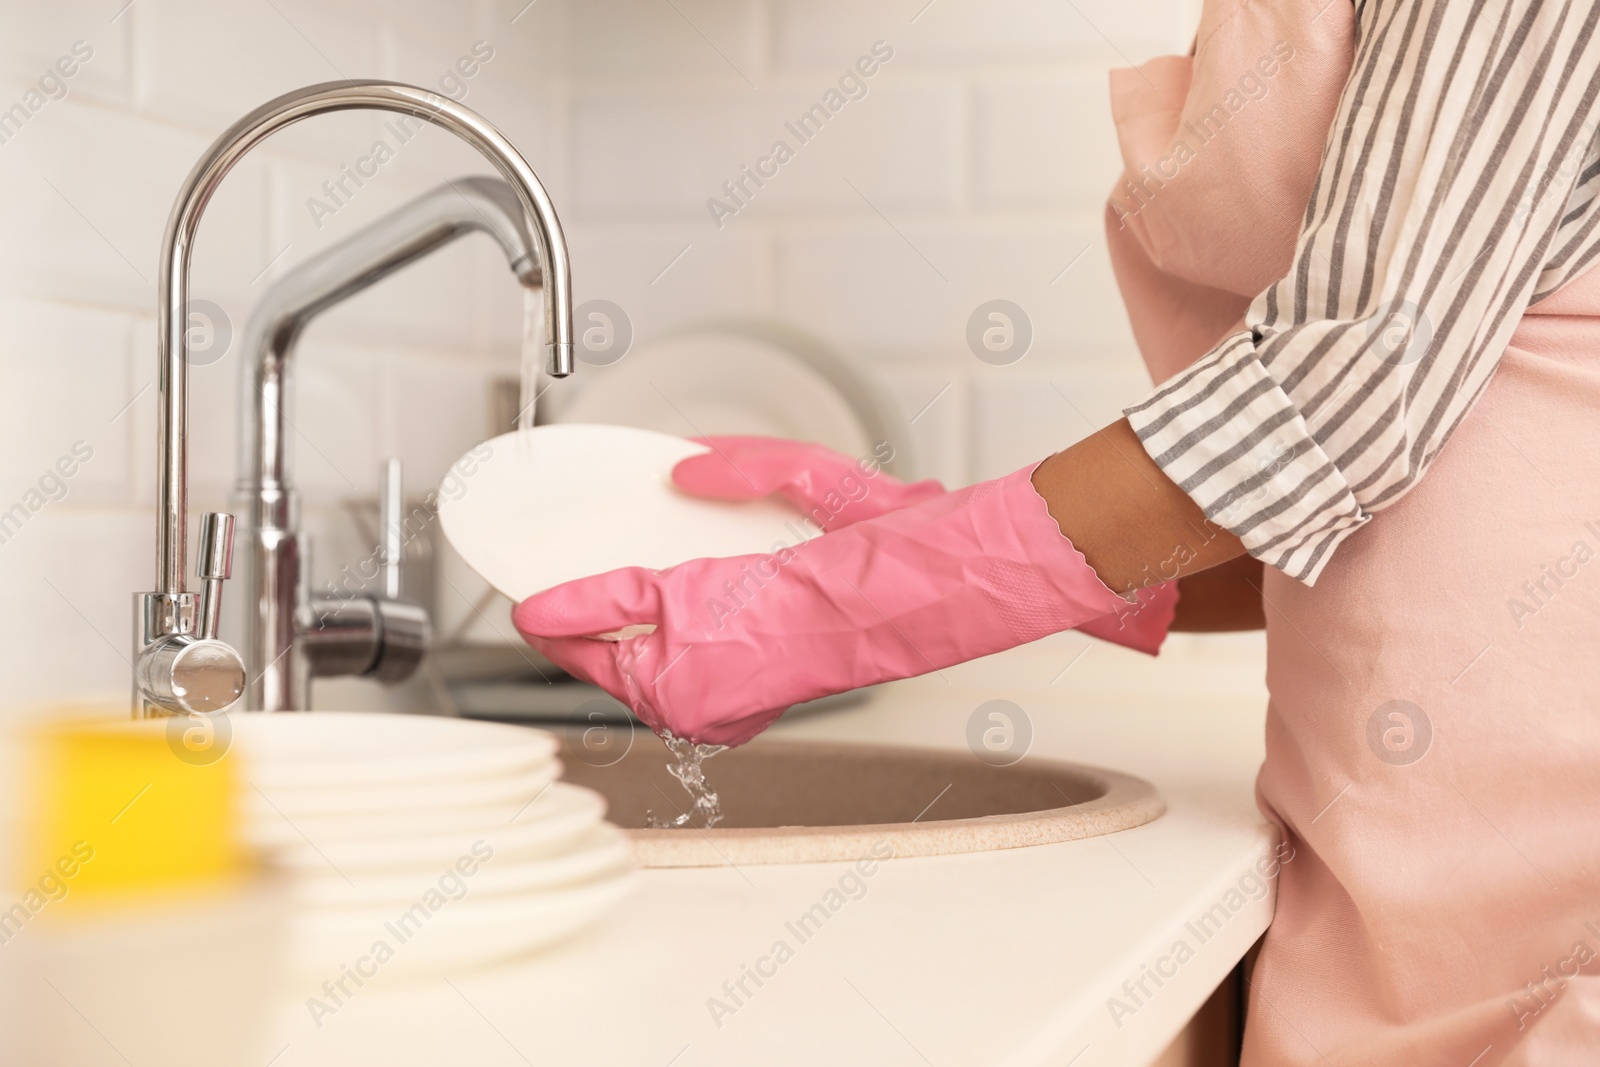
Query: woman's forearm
[(1223, 599), (1133, 525)]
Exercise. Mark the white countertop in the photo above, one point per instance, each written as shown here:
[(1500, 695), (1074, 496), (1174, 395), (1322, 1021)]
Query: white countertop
[(1003, 957)]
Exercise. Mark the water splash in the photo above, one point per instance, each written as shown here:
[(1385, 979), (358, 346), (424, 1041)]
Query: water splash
[(687, 767)]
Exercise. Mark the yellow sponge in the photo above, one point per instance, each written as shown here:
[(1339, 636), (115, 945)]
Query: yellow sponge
[(121, 808)]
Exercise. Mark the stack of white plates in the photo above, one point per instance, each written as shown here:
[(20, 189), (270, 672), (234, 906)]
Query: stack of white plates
[(418, 844)]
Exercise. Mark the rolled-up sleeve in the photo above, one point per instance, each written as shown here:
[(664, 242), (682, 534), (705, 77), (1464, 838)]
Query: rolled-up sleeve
[(1457, 186)]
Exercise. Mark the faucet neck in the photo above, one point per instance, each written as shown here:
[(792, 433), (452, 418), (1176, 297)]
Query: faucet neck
[(404, 236)]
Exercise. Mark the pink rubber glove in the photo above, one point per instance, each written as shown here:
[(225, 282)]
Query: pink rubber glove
[(834, 491), (1141, 626), (831, 488), (714, 649)]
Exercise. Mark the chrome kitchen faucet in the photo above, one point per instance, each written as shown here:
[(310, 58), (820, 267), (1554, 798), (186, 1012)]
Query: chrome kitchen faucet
[(292, 636), (180, 665)]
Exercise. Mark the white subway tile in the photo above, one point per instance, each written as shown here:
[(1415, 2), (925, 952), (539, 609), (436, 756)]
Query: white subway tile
[(214, 414), (457, 65), (76, 572), (1021, 415), (334, 420), (718, 42), (896, 149), (528, 116), (660, 154), (38, 37), (437, 18), (430, 303), (342, 538), (667, 277), (433, 303), (332, 415), (496, 327), (90, 191), (530, 38), (933, 398), (208, 64), (438, 407), (907, 288), (827, 33), (317, 202), (67, 384), (1044, 140), (899, 146)]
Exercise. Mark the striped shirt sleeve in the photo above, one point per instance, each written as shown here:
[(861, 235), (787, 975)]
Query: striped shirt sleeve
[(1457, 185)]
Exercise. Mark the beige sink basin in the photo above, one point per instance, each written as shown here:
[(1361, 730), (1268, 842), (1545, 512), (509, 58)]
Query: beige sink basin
[(807, 802)]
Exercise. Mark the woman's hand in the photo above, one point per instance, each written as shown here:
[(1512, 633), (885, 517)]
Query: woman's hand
[(830, 488)]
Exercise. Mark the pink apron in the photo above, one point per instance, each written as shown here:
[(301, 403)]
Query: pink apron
[(1433, 735)]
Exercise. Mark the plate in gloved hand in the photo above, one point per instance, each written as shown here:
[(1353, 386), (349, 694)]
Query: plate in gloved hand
[(534, 508)]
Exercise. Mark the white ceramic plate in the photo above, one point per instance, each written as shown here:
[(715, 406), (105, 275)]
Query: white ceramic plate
[(294, 802), (562, 814), (333, 749), (470, 932), (555, 503), (271, 829), (598, 852)]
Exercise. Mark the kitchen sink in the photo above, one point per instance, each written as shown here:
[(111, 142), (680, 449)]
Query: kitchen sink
[(810, 801)]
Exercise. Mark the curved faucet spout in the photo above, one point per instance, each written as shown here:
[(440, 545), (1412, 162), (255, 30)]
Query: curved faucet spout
[(289, 635), (404, 236), (177, 246)]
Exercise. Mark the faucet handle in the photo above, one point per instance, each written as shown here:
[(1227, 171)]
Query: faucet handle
[(366, 634), (216, 565)]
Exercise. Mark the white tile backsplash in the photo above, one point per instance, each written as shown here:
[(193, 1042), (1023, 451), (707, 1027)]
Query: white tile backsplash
[(207, 64), (716, 42), (974, 168), (88, 191), (1030, 412), (1043, 140), (961, 33), (897, 149), (440, 301), (214, 393), (933, 398), (439, 18), (67, 381), (436, 409), (898, 145), (75, 571), (667, 277), (84, 44), (689, 142), (907, 285), (334, 423)]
